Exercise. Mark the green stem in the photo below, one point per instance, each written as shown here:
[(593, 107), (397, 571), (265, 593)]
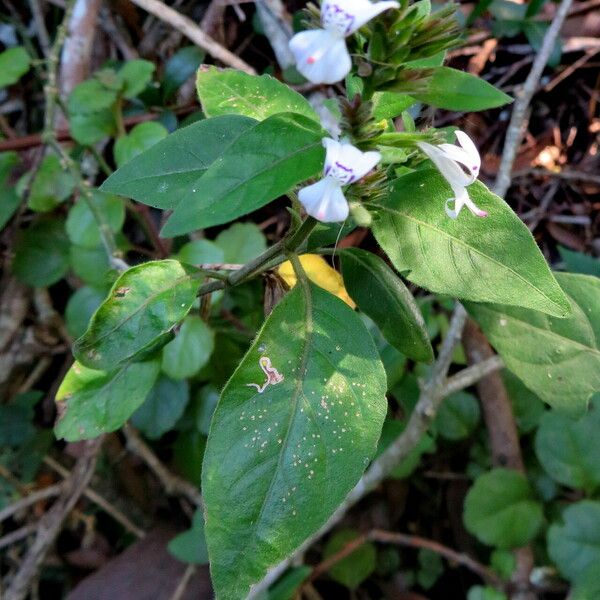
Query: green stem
[(49, 137)]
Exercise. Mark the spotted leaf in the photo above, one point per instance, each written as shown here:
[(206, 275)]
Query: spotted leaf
[(293, 431)]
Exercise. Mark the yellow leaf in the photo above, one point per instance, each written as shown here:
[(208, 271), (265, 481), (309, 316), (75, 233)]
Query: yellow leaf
[(318, 272)]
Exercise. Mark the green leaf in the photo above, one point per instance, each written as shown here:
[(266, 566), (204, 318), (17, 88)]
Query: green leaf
[(82, 228), (201, 252), (225, 92), (380, 294), (457, 416), (168, 173), (283, 447), (91, 266), (575, 545), (577, 262), (185, 355), (287, 586), (569, 450), (265, 162), (89, 129), (190, 546), (42, 253), (500, 509), (180, 67), (387, 105), (207, 400), (430, 568), (456, 90), (140, 138), (241, 242), (80, 308), (493, 259), (528, 408), (52, 185), (353, 569), (503, 562), (587, 586), (162, 408), (558, 359), (480, 592), (134, 76), (14, 63), (9, 198), (144, 304), (89, 97), (188, 452), (91, 402)]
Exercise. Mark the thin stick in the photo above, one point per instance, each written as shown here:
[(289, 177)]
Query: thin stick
[(30, 499), (16, 536), (99, 501), (183, 583), (171, 482), (515, 130), (51, 523), (413, 541), (194, 33)]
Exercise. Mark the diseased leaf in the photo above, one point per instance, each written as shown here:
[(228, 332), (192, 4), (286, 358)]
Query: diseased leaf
[(485, 260), (168, 172), (382, 295), (91, 402), (144, 304), (558, 359), (227, 91), (265, 162), (322, 414)]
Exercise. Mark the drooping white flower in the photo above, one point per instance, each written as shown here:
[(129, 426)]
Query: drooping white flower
[(459, 166), (321, 54), (344, 164)]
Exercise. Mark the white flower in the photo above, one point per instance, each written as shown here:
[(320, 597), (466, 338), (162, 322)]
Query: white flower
[(321, 54), (344, 164), (460, 168)]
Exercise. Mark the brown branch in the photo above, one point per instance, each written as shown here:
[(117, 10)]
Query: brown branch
[(410, 541), (64, 135), (51, 523), (32, 498), (504, 440)]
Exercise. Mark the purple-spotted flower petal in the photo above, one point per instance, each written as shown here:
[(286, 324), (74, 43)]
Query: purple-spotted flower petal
[(459, 165), (344, 164), (321, 54)]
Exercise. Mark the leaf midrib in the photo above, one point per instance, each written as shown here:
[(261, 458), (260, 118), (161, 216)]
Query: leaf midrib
[(472, 248)]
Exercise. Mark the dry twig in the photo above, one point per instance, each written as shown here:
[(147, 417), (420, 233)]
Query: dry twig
[(194, 33)]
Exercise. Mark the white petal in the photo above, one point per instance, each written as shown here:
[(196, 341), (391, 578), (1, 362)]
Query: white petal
[(469, 147), (347, 16), (451, 172), (325, 201), (459, 156), (347, 164), (321, 56), (463, 199)]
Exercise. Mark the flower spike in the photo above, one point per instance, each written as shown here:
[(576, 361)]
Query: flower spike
[(344, 164), (459, 165), (321, 54)]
